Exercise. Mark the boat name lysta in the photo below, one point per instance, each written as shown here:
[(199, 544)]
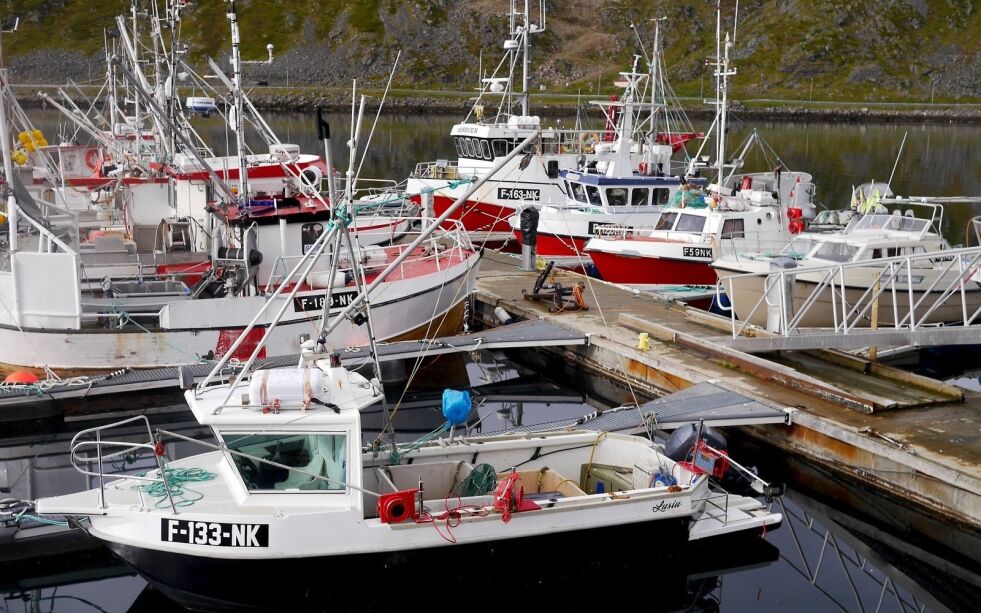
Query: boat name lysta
[(666, 505)]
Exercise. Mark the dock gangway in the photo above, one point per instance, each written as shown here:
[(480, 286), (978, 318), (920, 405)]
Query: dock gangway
[(922, 299)]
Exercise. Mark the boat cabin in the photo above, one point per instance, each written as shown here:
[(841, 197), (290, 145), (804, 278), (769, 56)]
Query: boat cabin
[(593, 190)]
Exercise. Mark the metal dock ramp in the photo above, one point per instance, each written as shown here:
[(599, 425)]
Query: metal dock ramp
[(707, 402)]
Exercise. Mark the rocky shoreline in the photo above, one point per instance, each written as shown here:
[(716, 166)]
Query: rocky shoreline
[(458, 104), (549, 107)]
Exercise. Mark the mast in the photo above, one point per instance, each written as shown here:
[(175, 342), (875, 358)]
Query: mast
[(723, 70), (239, 120), (524, 65), (137, 113)]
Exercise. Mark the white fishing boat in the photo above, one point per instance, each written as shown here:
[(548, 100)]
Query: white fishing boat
[(736, 212), (619, 192), (483, 139), (291, 490)]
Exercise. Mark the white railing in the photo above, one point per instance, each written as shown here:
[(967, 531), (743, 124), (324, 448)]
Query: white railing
[(915, 297), (88, 448), (91, 440), (441, 244)]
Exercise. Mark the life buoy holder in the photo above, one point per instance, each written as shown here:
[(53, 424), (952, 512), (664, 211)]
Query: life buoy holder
[(397, 507), (508, 496), (92, 158)]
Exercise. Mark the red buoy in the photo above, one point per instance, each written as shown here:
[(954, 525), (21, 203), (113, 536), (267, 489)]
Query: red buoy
[(21, 376)]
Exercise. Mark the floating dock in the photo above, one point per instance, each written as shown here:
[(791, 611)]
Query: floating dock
[(914, 437), (158, 386)]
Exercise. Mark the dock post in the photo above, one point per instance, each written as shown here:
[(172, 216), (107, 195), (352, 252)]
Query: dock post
[(427, 211), (780, 294), (529, 237)]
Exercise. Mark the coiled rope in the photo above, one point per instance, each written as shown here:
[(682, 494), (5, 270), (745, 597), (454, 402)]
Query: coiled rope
[(176, 478)]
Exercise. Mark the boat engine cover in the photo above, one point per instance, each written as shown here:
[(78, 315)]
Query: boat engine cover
[(681, 444)]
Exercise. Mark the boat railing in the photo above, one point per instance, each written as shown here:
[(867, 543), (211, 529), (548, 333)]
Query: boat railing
[(914, 299), (716, 507), (90, 452), (451, 241), (613, 232)]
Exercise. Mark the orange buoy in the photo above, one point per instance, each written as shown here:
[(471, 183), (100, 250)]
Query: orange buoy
[(21, 376)]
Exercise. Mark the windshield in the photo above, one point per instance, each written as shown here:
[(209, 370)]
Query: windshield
[(896, 223), (307, 457), (690, 223), (836, 252)]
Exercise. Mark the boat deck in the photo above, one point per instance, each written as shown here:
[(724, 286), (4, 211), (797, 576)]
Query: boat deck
[(898, 431)]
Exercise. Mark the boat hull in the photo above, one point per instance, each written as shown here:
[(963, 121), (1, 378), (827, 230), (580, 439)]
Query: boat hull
[(217, 584), (674, 267), (399, 310)]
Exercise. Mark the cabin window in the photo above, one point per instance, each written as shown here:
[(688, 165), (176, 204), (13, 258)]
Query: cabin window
[(316, 462), (460, 149), (733, 228), (662, 195), (690, 223), (309, 233), (836, 252), (578, 192), (616, 196), (485, 150), (639, 196), (665, 221), (594, 195), (500, 147)]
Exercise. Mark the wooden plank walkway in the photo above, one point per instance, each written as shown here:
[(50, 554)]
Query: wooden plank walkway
[(901, 432)]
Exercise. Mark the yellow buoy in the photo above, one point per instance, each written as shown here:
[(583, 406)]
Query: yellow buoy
[(644, 341)]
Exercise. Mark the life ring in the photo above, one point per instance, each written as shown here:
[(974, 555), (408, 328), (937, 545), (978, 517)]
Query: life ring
[(92, 158), (588, 140)]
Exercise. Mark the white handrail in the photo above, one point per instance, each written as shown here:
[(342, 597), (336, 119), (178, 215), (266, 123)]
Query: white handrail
[(892, 275)]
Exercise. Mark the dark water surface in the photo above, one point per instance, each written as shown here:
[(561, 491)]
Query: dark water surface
[(936, 160), (823, 558)]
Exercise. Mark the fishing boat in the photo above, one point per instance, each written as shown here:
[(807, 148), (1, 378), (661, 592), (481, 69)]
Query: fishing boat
[(291, 490), (897, 261), (735, 212), (619, 192), (168, 269), (483, 139), (696, 227)]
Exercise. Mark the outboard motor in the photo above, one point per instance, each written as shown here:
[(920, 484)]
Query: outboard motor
[(681, 444)]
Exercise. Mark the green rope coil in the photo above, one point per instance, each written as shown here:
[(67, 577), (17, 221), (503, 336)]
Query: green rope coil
[(481, 480), (176, 478)]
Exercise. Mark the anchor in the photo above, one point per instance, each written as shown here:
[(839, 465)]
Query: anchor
[(557, 293)]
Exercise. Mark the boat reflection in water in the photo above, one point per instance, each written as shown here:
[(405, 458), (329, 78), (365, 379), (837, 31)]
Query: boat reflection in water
[(622, 570), (822, 559)]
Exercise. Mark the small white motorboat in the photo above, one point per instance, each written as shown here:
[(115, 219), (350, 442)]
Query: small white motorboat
[(290, 487)]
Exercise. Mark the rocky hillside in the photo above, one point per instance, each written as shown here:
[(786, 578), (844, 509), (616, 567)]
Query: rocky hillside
[(864, 50)]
